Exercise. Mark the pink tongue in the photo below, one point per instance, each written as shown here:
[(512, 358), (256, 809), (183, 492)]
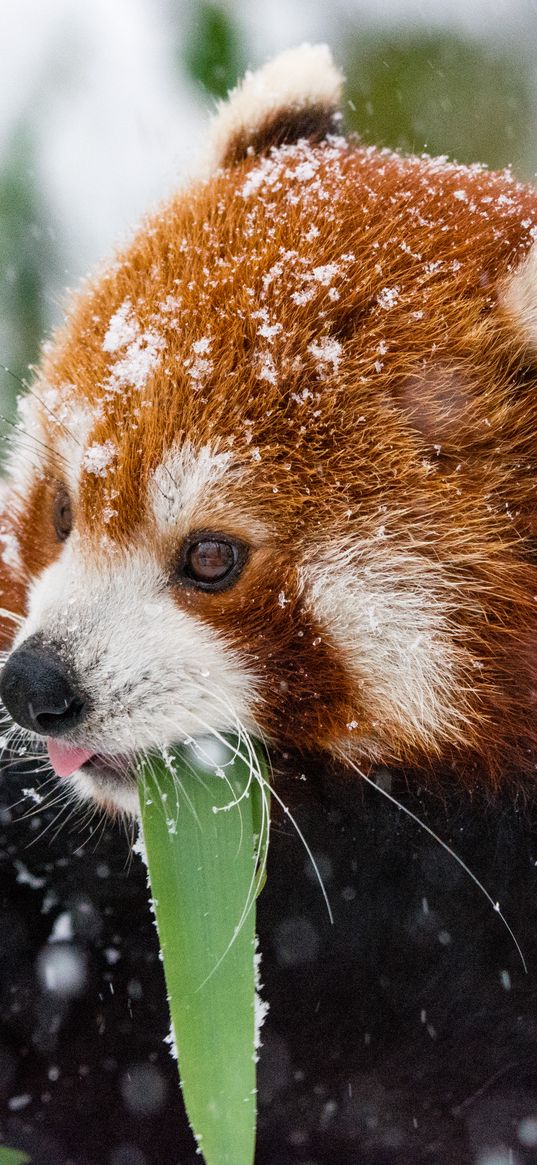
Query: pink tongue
[(65, 759)]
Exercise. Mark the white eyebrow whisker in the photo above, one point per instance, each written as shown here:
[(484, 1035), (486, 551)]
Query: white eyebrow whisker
[(22, 432), (57, 421), (456, 857), (23, 451)]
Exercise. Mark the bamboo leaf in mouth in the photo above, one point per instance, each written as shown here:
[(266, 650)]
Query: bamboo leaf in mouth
[(205, 826)]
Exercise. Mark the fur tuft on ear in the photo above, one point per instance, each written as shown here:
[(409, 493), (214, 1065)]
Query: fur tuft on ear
[(518, 299), (295, 95)]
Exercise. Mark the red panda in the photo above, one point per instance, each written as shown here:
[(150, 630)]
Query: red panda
[(278, 470)]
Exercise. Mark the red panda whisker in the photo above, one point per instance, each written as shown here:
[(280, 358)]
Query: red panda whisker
[(22, 449), (31, 772), (57, 421), (448, 849), (17, 732), (4, 368), (99, 829), (42, 766), (89, 812), (43, 792), (37, 793), (166, 497), (170, 475), (155, 776), (62, 795), (68, 803), (30, 437), (298, 830), (74, 810), (87, 809), (179, 784), (14, 735), (283, 806), (128, 824)]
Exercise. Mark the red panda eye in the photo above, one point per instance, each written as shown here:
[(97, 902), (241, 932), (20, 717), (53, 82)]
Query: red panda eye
[(62, 515), (211, 562)]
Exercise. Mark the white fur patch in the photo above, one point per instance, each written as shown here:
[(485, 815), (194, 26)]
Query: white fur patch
[(297, 78), (27, 454), (179, 483), (154, 675), (55, 428), (518, 297), (383, 608), (72, 424), (124, 797)]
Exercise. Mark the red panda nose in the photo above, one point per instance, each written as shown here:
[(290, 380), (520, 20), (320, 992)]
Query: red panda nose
[(38, 691)]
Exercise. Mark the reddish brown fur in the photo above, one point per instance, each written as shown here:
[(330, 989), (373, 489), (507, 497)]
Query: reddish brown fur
[(431, 414), (312, 123)]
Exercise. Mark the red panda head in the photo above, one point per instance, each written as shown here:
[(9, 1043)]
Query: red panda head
[(277, 471)]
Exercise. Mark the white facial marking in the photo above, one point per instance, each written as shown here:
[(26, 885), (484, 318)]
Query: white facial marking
[(53, 420), (27, 454), (123, 797), (384, 610), (179, 483)]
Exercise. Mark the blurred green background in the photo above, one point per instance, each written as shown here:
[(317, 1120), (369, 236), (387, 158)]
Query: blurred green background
[(104, 107)]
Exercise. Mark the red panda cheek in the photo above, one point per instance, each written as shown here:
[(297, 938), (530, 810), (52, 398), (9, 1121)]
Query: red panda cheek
[(305, 691)]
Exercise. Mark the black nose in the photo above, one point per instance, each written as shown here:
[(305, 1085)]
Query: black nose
[(38, 691)]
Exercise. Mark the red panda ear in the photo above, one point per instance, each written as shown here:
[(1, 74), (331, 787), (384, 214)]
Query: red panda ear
[(296, 95)]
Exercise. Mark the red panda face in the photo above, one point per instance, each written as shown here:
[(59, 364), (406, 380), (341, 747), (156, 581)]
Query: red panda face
[(274, 477)]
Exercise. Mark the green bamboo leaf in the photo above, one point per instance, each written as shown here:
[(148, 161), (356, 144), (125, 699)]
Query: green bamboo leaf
[(213, 48), (13, 1157), (205, 830)]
